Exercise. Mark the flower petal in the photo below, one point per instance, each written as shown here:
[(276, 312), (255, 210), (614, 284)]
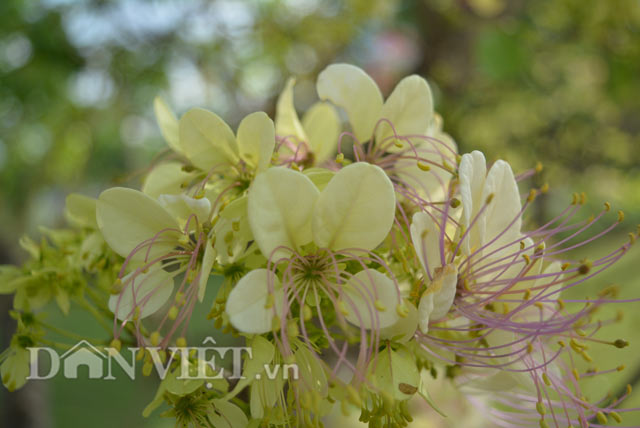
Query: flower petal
[(182, 207), (287, 121), (402, 330), (246, 304), (166, 178), (425, 236), (127, 217), (322, 126), (356, 209), (472, 173), (207, 140), (256, 140), (364, 290), (409, 108), (444, 288), (168, 124), (355, 91), (81, 210), (425, 307), (149, 291), (208, 259), (280, 207)]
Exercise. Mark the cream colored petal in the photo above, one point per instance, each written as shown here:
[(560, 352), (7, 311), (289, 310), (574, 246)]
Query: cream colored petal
[(183, 207), (472, 173), (208, 258), (319, 176), (503, 217), (425, 236), (149, 291), (280, 206), (81, 210), (168, 124), (166, 178), (127, 217), (206, 140), (355, 210), (404, 329), (444, 286), (247, 304), (425, 307), (364, 290), (355, 91), (256, 140), (287, 121), (322, 126), (409, 108)]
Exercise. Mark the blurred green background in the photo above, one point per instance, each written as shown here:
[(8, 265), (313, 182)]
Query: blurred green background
[(555, 81)]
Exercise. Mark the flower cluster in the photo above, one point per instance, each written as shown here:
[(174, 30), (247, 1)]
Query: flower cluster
[(374, 258)]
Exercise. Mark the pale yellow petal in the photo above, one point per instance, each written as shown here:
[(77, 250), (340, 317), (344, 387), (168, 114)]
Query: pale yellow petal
[(372, 300), (409, 108), (127, 217), (444, 286), (405, 328), (287, 121), (425, 236), (148, 291), (166, 178), (256, 140), (168, 124), (280, 206), (206, 140), (208, 259), (472, 173), (81, 210), (322, 126), (319, 176), (184, 208), (356, 209), (248, 305), (355, 91)]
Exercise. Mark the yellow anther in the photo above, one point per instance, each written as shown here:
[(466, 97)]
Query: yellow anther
[(542, 410), (532, 195), (117, 344), (576, 375), (620, 216), (616, 416), (527, 295), (560, 304), (574, 199), (505, 308), (306, 312), (179, 298), (561, 343), (155, 338), (340, 158), (529, 348), (586, 357), (522, 245), (546, 379), (136, 313), (583, 198), (181, 342), (544, 188), (576, 346), (620, 367), (620, 343), (539, 166), (526, 258), (543, 424), (424, 166), (602, 418), (539, 305), (489, 198), (173, 312), (402, 310), (116, 288), (632, 238), (580, 332), (379, 305), (585, 267), (607, 206), (629, 389), (455, 202), (565, 266)]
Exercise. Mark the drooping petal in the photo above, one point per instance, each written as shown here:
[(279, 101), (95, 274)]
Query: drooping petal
[(206, 140), (168, 124), (322, 126), (366, 290), (287, 121), (256, 140), (355, 91), (425, 236), (247, 304), (444, 290), (355, 210), (148, 291), (425, 307), (166, 178), (472, 173), (127, 217), (281, 203), (409, 108)]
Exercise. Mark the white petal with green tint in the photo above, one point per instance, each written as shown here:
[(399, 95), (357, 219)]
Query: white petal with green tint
[(355, 91), (472, 173), (81, 210), (371, 300), (149, 291), (207, 140), (168, 124), (409, 108), (437, 300), (183, 208), (287, 121), (425, 236), (322, 126), (166, 178), (280, 206), (405, 328), (208, 259), (395, 373), (256, 140), (127, 217), (248, 305), (356, 209)]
